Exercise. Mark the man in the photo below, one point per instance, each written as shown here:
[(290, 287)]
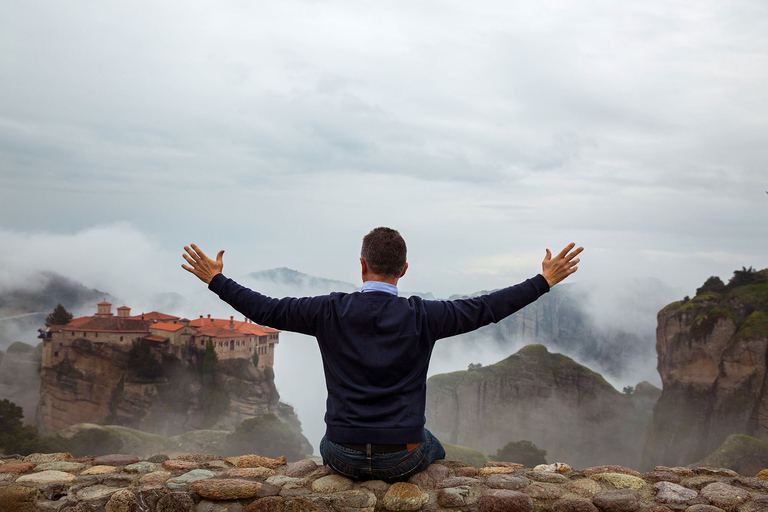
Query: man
[(376, 349)]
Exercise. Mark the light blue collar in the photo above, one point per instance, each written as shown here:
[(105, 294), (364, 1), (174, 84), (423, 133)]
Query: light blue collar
[(378, 286)]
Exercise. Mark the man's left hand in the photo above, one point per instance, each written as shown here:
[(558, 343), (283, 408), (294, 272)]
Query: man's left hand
[(561, 266), (201, 265)]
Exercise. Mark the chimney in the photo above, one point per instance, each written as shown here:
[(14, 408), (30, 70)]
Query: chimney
[(104, 309), (231, 323), (123, 312)]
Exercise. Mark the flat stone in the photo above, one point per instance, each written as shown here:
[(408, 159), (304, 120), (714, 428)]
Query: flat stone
[(115, 459), (141, 467), (660, 508), (96, 496), (754, 483), (502, 470), (557, 467), (268, 504), (622, 500), (354, 500), (715, 471), (99, 470), (497, 464), (332, 483), (703, 508), (252, 461), (457, 497), (699, 482), (305, 505), (547, 477), (620, 481), (724, 496), (661, 476), (215, 465), (509, 482), (175, 502), (669, 493), (499, 500), (42, 458), (18, 498), (439, 472), (289, 481), (379, 488), (225, 489), (122, 501), (404, 497), (46, 477), (678, 470), (180, 465), (610, 469), (155, 477), (268, 490), (458, 481), (763, 474), (301, 468), (189, 477), (468, 471), (320, 472), (199, 457), (584, 487), (85, 459), (69, 467), (258, 472), (573, 505), (423, 480), (159, 458), (17, 467), (542, 491)]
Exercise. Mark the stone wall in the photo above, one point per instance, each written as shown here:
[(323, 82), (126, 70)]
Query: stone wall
[(249, 483)]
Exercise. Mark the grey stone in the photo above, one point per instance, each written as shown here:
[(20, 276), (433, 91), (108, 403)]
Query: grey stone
[(331, 483), (725, 496), (669, 493), (621, 500), (509, 482), (404, 497), (546, 477), (188, 477), (502, 500), (542, 491), (355, 500), (457, 497), (458, 481)]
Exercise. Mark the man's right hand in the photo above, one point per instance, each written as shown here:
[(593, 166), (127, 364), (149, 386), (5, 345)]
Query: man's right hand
[(561, 266), (201, 265)]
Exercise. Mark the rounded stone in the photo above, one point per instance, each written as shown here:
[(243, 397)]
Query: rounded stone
[(724, 496), (141, 467), (502, 470), (468, 471), (225, 489), (458, 481), (115, 459), (620, 481), (96, 496), (301, 468), (404, 497), (18, 498), (547, 477), (159, 458), (199, 457), (763, 474), (188, 478), (46, 477), (180, 465), (661, 476), (68, 467), (99, 470), (594, 470), (155, 477), (543, 491), (268, 504), (41, 458), (457, 497), (175, 502), (584, 487), (669, 493), (573, 505), (251, 461), (498, 464), (331, 483), (251, 472), (509, 482), (354, 500), (122, 501), (622, 500), (504, 501), (305, 505), (17, 467)]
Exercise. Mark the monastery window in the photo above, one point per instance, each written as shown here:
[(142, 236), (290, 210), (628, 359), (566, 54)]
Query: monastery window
[(121, 338), (55, 354), (220, 345), (96, 335), (73, 333), (202, 343)]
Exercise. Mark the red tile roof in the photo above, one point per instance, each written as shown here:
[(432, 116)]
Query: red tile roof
[(167, 327), (156, 338), (154, 315)]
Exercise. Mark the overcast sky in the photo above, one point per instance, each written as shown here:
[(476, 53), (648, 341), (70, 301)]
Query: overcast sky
[(284, 131)]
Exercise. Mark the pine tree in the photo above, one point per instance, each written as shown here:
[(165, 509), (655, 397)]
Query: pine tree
[(60, 316)]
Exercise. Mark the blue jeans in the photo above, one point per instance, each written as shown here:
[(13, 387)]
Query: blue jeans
[(390, 467)]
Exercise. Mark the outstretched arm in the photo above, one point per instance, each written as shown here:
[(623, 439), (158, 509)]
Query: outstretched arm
[(201, 265), (561, 266)]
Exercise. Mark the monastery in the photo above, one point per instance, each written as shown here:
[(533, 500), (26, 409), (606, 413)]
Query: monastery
[(164, 333)]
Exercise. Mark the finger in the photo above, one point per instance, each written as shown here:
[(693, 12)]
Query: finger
[(199, 252), (188, 269), (191, 253), (189, 260), (565, 251), (575, 253), (548, 256), (220, 256)]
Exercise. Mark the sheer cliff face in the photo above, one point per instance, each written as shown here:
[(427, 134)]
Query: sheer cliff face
[(19, 378), (93, 385), (712, 353), (559, 405)]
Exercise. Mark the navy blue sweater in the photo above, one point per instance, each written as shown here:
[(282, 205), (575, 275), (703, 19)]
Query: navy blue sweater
[(376, 348)]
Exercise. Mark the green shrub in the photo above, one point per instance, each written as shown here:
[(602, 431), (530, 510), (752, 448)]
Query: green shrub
[(264, 435), (523, 452), (143, 363)]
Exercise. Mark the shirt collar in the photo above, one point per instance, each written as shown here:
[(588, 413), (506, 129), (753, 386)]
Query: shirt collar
[(378, 286)]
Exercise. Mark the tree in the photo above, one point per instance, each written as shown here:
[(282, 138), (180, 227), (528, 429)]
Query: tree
[(523, 452), (143, 362), (628, 390), (60, 316), (713, 284), (16, 437)]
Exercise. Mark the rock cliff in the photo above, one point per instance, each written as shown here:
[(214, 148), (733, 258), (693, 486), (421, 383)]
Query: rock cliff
[(95, 385), (558, 404), (712, 353)]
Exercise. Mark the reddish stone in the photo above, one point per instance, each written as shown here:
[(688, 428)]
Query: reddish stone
[(180, 465), (117, 459), (301, 468), (660, 476), (225, 489), (17, 467), (468, 471), (268, 504), (504, 501), (574, 505)]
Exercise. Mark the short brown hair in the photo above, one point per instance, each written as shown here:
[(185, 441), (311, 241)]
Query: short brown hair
[(384, 252)]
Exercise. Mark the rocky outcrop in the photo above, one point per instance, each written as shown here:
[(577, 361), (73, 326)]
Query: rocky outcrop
[(558, 404), (712, 352), (20, 379), (208, 483), (94, 385)]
